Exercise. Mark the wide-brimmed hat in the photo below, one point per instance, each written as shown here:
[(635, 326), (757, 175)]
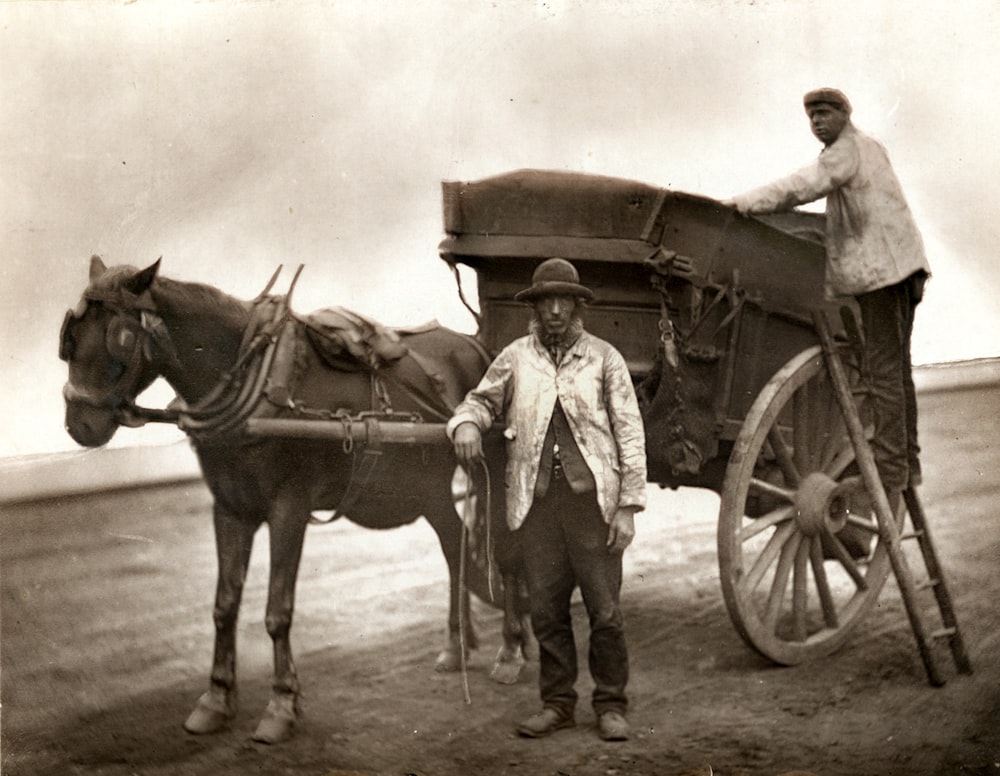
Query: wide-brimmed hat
[(554, 277), (828, 96)]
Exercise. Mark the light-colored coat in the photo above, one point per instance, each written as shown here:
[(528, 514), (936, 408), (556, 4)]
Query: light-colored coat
[(593, 384), (872, 239)]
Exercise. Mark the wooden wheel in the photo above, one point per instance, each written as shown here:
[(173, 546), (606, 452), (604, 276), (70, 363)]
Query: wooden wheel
[(800, 557)]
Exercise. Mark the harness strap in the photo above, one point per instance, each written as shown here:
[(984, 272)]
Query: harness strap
[(202, 421), (361, 474)]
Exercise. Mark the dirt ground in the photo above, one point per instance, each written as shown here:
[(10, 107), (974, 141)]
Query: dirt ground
[(107, 642)]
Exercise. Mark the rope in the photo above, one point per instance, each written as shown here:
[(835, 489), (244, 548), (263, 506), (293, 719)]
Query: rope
[(461, 295), (467, 518), (463, 592), (489, 530)]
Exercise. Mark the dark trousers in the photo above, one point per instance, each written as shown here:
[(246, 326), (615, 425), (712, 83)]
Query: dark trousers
[(887, 319), (563, 539)]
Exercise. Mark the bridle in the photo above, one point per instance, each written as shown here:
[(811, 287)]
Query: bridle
[(136, 331), (131, 336)]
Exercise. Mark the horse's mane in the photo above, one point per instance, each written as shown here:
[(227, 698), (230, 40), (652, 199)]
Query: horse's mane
[(186, 295)]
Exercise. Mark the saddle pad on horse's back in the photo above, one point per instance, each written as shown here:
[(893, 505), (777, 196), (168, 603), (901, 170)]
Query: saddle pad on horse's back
[(421, 361), (345, 339)]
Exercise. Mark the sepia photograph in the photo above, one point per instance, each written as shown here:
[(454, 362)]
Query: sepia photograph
[(516, 388)]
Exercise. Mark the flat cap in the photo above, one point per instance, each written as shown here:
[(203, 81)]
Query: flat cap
[(829, 96)]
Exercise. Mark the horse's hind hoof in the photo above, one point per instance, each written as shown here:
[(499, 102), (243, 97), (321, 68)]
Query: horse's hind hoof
[(278, 722), (211, 714), (449, 660), (508, 666), (273, 730)]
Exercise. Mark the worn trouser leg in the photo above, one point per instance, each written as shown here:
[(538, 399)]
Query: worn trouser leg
[(550, 586), (887, 318), (564, 540), (599, 575)]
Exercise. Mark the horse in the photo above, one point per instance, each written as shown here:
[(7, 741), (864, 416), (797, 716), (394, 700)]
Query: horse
[(232, 361)]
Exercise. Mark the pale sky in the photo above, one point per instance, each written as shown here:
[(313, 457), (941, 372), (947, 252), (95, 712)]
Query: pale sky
[(230, 137)]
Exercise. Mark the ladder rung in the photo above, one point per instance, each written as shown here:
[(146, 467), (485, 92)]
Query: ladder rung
[(928, 584), (944, 633), (911, 535)]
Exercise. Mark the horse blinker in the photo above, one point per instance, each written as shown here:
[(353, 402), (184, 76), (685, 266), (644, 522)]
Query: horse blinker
[(122, 337)]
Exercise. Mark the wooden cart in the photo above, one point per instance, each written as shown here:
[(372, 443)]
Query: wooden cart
[(750, 381)]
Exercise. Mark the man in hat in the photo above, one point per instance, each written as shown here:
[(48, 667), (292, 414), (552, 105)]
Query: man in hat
[(874, 253), (576, 475)]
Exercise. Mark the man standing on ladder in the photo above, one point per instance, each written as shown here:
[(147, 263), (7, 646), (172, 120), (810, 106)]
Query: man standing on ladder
[(576, 475), (874, 253)]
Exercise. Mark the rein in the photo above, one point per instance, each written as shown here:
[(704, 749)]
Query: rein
[(468, 518)]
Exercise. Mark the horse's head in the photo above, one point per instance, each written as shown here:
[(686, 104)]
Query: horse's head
[(108, 345)]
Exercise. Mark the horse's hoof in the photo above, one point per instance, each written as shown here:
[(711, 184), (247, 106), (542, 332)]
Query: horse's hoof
[(508, 666), (278, 722), (448, 661), (211, 714)]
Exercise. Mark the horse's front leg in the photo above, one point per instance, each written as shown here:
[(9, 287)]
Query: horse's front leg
[(287, 531), (233, 543)]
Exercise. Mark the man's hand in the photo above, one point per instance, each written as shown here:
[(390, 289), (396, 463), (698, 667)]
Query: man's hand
[(468, 442), (622, 529)]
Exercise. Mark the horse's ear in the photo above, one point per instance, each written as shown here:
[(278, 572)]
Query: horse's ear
[(97, 267), (143, 279)]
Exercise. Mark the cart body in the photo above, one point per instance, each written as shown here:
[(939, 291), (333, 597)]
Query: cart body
[(737, 292)]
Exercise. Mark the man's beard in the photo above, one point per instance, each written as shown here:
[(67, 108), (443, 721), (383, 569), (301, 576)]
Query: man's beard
[(562, 341)]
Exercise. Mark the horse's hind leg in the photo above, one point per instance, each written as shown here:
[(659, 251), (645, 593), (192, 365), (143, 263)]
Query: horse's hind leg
[(449, 533), (233, 543), (516, 631), (287, 531)]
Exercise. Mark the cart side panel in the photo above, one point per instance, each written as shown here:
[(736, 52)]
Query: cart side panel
[(767, 262), (765, 342)]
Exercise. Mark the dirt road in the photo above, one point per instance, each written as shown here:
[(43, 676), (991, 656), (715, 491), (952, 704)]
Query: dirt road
[(107, 640)]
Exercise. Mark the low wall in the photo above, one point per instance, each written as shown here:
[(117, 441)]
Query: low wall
[(36, 477)]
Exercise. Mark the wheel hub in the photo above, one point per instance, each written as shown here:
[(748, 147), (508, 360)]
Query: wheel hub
[(819, 505)]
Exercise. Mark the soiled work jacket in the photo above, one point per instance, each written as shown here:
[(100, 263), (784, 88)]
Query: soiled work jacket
[(872, 240), (595, 390)]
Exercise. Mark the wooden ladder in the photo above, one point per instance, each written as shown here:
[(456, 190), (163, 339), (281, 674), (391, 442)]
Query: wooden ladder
[(890, 529)]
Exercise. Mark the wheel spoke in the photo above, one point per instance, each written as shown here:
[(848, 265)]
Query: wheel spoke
[(768, 555), (835, 440), (838, 464), (764, 522), (865, 525), (801, 429), (846, 561), (823, 586), (780, 582), (800, 592), (760, 487), (783, 456)]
